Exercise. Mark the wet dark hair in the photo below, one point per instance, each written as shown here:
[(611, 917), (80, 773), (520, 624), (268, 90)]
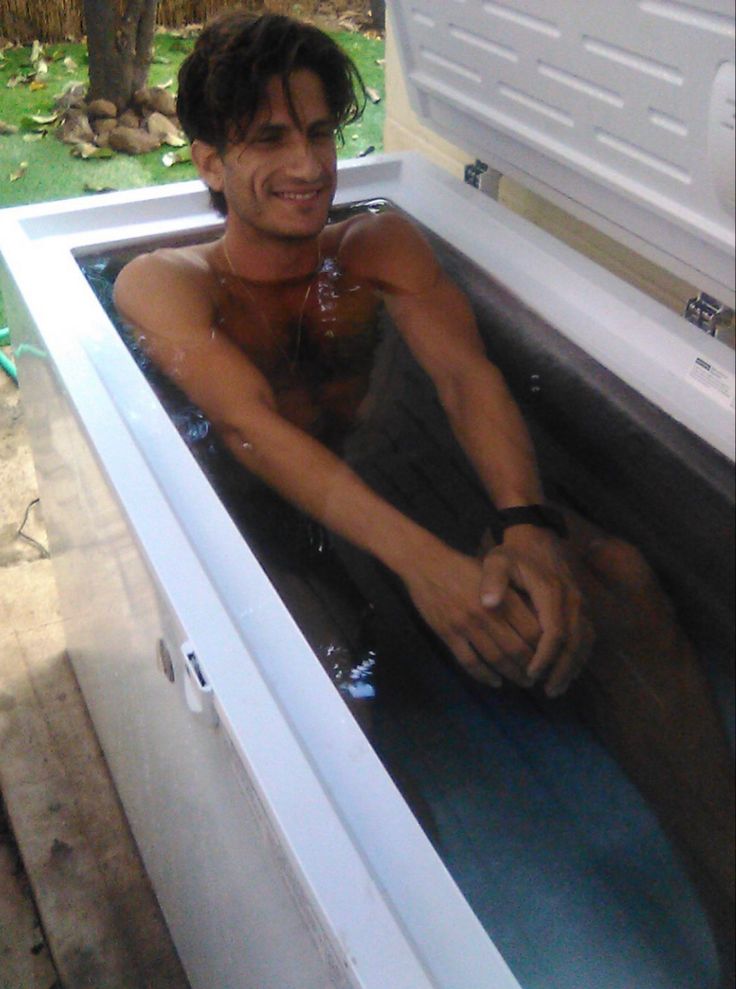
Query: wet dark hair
[(222, 84)]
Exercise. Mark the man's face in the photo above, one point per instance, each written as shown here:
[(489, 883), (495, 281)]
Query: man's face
[(280, 180)]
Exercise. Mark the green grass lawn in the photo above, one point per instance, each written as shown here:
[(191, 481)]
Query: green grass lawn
[(36, 167)]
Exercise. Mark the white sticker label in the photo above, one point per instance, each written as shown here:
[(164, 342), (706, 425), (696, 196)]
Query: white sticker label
[(715, 381)]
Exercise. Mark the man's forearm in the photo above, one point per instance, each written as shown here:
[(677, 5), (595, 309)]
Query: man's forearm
[(439, 327), (491, 430), (318, 482), (444, 584)]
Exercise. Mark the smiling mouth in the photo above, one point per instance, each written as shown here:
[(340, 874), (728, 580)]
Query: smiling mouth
[(299, 197)]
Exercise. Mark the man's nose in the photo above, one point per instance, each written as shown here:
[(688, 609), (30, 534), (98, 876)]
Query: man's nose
[(304, 162)]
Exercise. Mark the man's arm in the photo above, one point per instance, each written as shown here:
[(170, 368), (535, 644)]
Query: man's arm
[(169, 309), (436, 320)]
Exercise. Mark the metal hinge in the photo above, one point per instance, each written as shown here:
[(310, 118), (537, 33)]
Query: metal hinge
[(708, 314), (474, 173), (482, 177)]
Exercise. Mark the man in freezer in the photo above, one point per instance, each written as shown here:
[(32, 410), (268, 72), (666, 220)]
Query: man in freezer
[(268, 331)]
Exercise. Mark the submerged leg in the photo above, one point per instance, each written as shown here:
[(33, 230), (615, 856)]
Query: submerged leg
[(646, 695)]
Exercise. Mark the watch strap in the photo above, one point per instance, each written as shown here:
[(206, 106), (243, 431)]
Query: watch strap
[(542, 516)]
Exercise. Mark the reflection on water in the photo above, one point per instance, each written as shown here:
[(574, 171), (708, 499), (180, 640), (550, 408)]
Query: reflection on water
[(554, 849), (355, 681)]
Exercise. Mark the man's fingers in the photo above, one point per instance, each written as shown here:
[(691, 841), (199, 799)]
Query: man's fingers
[(508, 655), (472, 663), (495, 590), (574, 649), (532, 595), (573, 660), (522, 619), (495, 580), (491, 659), (549, 600)]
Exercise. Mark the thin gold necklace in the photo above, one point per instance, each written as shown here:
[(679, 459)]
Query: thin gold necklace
[(294, 360)]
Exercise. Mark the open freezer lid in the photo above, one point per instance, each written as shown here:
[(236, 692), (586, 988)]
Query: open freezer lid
[(620, 111)]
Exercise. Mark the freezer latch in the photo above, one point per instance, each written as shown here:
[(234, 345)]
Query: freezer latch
[(198, 691), (708, 314)]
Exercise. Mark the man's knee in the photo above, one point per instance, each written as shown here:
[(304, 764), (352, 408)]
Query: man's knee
[(621, 562)]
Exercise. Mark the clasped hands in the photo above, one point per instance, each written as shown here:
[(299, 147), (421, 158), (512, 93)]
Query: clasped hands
[(515, 614)]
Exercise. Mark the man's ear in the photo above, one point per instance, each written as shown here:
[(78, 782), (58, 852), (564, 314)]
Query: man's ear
[(208, 163)]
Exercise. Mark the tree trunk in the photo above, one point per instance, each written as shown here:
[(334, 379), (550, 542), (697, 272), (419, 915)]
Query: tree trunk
[(378, 14), (119, 43)]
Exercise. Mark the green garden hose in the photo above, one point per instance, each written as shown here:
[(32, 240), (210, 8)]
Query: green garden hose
[(8, 366)]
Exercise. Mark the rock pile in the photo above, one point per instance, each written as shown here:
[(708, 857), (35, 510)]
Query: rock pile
[(148, 123)]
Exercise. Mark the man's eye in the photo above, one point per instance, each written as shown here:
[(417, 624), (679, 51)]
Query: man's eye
[(268, 138)]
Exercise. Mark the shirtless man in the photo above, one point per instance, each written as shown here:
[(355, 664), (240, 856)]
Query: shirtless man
[(254, 328)]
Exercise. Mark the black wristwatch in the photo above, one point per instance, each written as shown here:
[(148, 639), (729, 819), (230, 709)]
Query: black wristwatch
[(543, 516)]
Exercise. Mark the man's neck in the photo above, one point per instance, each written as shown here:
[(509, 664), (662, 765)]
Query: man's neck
[(261, 258)]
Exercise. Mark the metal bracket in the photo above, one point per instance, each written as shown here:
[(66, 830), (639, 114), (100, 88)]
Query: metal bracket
[(474, 172), (484, 178), (708, 314)]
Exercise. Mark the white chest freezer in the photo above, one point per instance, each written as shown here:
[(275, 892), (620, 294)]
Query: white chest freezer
[(282, 852)]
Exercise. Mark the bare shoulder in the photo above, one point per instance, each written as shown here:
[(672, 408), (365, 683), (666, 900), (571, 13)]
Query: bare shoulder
[(388, 250), (166, 288)]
